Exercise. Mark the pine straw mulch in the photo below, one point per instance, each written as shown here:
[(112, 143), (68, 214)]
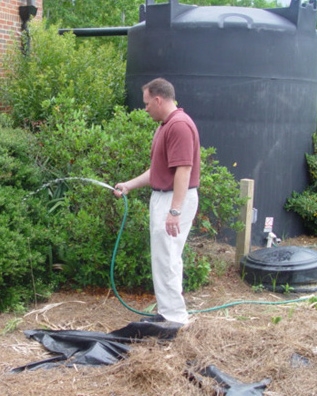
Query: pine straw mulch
[(248, 342)]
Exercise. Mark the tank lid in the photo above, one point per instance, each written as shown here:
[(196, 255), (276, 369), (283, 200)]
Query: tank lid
[(223, 17), (283, 256), (297, 16)]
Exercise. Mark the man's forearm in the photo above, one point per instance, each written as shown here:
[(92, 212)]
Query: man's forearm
[(181, 184), (139, 181)]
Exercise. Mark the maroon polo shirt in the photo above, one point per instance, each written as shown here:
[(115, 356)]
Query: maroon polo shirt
[(175, 143)]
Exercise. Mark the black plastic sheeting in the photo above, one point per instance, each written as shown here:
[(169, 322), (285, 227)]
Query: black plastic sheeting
[(233, 387), (95, 348)]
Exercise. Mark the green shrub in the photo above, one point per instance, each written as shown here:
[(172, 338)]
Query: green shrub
[(57, 66), (219, 197), (305, 203), (88, 217), (24, 235), (5, 120), (196, 269)]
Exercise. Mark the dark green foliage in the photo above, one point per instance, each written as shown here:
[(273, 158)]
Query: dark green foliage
[(312, 167), (219, 201), (89, 216), (24, 235), (196, 269), (15, 165), (305, 203)]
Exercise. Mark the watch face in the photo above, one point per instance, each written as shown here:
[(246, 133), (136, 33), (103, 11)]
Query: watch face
[(175, 212)]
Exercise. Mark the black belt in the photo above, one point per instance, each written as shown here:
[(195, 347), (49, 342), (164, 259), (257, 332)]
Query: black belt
[(157, 189)]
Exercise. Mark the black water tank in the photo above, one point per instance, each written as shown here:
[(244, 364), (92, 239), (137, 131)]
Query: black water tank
[(281, 269), (248, 77)]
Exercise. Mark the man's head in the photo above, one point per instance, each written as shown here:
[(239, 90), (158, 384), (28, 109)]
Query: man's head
[(159, 98), (160, 87)]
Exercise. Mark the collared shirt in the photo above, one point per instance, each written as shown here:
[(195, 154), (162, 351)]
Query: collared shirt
[(175, 143)]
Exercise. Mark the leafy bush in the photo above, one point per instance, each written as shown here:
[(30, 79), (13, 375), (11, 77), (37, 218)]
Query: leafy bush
[(219, 201), (305, 203), (5, 120), (88, 217), (24, 235), (196, 269), (57, 67)]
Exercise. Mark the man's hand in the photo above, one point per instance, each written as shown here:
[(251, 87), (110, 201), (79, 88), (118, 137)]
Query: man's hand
[(172, 225), (120, 189)]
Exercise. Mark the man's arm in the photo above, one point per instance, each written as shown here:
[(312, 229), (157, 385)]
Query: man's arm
[(180, 188), (181, 184)]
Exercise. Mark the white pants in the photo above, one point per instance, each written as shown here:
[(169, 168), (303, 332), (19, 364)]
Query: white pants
[(166, 254)]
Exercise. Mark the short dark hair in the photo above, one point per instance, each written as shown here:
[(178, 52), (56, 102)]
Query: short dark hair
[(160, 87)]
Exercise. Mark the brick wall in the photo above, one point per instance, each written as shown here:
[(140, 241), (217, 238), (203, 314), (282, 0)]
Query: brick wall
[(10, 20), (10, 23)]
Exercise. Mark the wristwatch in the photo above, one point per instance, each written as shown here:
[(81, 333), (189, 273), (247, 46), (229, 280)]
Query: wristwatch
[(175, 212)]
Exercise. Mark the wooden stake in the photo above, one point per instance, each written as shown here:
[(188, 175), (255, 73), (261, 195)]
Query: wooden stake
[(243, 243)]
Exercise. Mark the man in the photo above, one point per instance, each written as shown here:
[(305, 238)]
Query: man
[(174, 177)]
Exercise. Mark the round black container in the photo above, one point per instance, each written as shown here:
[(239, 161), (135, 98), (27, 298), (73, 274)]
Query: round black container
[(281, 269), (248, 77)]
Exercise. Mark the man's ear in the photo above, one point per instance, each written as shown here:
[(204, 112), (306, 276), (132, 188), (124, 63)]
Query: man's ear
[(158, 100)]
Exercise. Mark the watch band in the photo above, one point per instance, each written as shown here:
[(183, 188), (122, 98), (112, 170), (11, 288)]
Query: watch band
[(175, 212)]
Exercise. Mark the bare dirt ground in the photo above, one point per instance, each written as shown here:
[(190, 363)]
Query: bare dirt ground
[(248, 342)]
